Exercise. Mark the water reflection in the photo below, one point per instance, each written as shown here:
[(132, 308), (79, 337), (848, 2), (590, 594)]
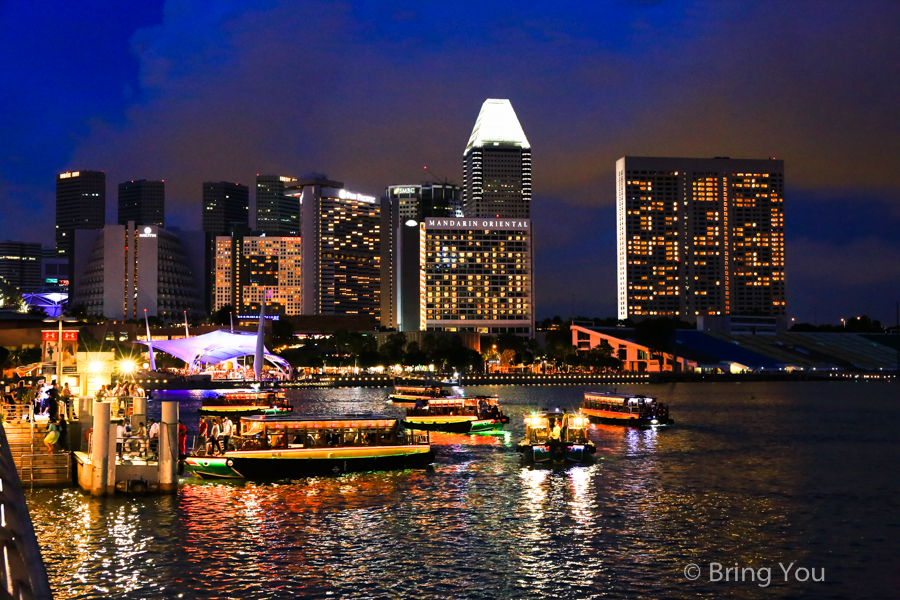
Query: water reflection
[(725, 483)]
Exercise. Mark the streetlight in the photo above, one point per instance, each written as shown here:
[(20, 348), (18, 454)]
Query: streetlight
[(844, 323), (59, 341)]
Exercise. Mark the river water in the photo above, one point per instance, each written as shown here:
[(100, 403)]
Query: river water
[(751, 475)]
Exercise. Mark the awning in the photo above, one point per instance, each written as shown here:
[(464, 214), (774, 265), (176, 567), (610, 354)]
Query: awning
[(215, 347)]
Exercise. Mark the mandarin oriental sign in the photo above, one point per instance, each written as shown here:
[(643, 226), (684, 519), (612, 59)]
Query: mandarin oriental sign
[(439, 223)]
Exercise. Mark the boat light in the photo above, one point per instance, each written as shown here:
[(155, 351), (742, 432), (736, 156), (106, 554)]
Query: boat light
[(528, 420), (654, 422)]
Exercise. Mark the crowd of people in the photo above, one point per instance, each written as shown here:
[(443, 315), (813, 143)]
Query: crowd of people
[(126, 388)]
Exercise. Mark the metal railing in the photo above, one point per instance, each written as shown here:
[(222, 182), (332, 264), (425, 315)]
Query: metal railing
[(22, 572)]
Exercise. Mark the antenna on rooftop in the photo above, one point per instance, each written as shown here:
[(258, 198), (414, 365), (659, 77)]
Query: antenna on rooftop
[(435, 176)]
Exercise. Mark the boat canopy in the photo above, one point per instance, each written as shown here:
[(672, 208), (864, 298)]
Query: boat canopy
[(611, 398), (215, 347)]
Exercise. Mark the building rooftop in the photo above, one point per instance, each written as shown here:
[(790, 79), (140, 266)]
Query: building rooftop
[(497, 123)]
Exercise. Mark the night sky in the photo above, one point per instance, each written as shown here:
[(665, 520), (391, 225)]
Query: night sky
[(368, 93)]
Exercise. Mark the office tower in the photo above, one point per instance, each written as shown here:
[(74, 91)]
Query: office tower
[(20, 264), (134, 267), (225, 206), (700, 237), (80, 204), (276, 212), (400, 242), (341, 241), (253, 269), (497, 165), (143, 202), (426, 200), (54, 271), (476, 275)]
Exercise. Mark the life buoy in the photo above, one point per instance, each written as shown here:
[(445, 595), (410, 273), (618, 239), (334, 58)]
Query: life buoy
[(87, 436), (229, 463)]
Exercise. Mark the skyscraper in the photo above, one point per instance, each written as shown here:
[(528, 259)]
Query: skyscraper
[(143, 202), (253, 269), (475, 275), (225, 205), (700, 237), (417, 201), (80, 204), (341, 241), (497, 165), (226, 208), (20, 264), (276, 212)]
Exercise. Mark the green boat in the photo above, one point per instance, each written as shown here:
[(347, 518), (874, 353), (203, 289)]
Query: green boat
[(471, 414)]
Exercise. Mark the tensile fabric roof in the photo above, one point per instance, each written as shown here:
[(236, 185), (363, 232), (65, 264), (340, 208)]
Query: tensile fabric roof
[(215, 347)]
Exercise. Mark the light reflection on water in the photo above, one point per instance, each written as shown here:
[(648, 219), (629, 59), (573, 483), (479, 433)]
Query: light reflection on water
[(754, 474)]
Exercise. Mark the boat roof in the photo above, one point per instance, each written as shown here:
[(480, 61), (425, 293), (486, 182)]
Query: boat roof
[(620, 396), (344, 417)]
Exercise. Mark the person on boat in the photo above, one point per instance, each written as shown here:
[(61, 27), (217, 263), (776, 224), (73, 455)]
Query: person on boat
[(201, 434), (182, 440), (154, 437), (214, 432), (556, 432), (227, 431)]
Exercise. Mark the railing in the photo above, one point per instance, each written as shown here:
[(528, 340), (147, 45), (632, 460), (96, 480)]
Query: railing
[(29, 467), (22, 571), (16, 412)]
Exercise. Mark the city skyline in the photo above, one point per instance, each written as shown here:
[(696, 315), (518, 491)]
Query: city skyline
[(587, 90)]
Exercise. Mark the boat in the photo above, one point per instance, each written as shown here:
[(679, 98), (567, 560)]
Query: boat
[(625, 409), (410, 393), (557, 438), (293, 446), (246, 402), (471, 414)]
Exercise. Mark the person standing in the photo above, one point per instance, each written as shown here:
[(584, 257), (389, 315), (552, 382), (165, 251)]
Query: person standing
[(142, 435), (66, 396), (227, 431), (53, 402), (154, 437), (201, 436), (63, 432), (182, 440), (214, 432)]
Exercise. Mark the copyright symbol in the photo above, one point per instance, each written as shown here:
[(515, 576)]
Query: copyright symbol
[(691, 572)]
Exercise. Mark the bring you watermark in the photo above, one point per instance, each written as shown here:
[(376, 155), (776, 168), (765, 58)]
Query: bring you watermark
[(762, 576)]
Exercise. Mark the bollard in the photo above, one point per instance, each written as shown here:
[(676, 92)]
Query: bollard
[(100, 450), (168, 448), (138, 413)]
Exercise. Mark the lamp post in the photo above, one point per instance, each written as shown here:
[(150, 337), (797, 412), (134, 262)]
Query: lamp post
[(60, 319)]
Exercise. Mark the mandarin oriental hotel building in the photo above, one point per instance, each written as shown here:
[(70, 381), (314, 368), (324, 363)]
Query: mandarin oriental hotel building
[(476, 274)]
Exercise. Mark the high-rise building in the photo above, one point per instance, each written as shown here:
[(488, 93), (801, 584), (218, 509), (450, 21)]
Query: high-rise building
[(497, 165), (476, 275), (80, 204), (143, 202), (20, 264), (225, 205), (253, 269), (226, 209), (426, 200), (341, 241), (133, 267), (276, 212), (700, 237), (54, 271)]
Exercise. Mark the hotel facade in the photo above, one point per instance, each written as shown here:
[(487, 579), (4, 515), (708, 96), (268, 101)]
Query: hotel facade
[(700, 237), (475, 274), (251, 270)]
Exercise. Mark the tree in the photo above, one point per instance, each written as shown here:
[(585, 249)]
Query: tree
[(222, 316), (414, 355), (282, 332), (394, 348)]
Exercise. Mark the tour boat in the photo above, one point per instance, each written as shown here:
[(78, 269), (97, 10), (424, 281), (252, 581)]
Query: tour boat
[(246, 402), (410, 393), (625, 409), (556, 437), (472, 414), (292, 446)]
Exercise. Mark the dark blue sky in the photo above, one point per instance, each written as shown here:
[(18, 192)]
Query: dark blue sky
[(190, 91)]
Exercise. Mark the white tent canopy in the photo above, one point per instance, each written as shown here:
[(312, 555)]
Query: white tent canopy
[(215, 347)]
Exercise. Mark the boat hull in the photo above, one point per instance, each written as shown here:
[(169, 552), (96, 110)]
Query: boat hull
[(455, 425), (275, 465), (242, 410), (557, 454), (606, 417)]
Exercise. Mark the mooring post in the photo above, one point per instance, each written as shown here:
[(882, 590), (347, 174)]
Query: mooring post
[(168, 448), (138, 412), (100, 450)]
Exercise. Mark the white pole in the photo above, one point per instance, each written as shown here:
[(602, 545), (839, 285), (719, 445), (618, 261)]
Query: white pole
[(149, 341), (100, 449), (59, 345), (187, 333), (231, 317), (168, 447), (260, 341)]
